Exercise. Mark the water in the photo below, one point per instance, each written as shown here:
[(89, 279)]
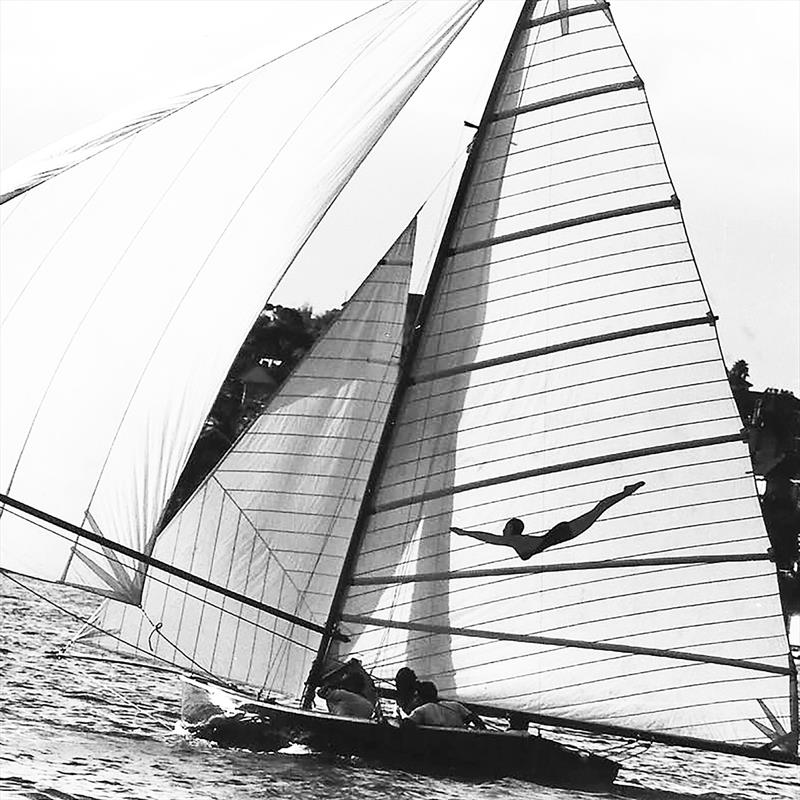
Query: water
[(86, 729)]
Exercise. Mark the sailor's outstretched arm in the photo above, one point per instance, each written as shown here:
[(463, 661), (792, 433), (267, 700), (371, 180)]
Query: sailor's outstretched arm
[(482, 536)]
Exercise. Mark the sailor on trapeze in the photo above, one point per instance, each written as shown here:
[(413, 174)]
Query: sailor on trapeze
[(527, 546)]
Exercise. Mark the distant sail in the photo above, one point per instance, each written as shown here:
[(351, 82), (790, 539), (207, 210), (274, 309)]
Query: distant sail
[(274, 519), (133, 269), (567, 351)]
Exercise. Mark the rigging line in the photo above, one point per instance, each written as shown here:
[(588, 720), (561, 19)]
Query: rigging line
[(118, 661), (85, 622), (158, 628), (559, 642), (155, 117), (392, 114), (156, 563), (622, 563)]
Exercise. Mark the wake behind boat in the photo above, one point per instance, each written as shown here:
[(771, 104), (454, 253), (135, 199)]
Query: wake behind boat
[(563, 328)]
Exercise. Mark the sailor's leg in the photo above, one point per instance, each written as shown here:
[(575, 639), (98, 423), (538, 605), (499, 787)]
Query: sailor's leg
[(585, 521)]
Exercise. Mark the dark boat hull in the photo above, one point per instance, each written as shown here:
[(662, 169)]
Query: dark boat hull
[(234, 720)]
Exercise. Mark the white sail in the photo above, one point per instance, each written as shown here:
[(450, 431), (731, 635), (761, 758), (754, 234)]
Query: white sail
[(274, 519), (568, 351), (133, 268)]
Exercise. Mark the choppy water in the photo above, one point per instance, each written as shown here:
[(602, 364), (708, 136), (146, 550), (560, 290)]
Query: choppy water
[(85, 729)]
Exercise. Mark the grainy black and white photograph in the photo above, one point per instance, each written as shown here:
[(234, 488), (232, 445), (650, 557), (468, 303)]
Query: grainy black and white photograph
[(399, 399)]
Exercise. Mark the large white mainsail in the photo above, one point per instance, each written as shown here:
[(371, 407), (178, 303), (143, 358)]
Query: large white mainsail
[(566, 350), (273, 520), (150, 251)]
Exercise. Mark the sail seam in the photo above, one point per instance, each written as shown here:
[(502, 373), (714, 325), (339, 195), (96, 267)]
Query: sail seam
[(636, 83), (559, 642), (673, 202), (557, 348), (530, 473)]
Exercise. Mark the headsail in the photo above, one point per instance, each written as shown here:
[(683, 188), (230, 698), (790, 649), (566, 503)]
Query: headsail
[(567, 348), (274, 519), (151, 257)]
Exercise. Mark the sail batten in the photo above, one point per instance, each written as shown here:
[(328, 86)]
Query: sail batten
[(577, 643), (555, 348), (380, 580)]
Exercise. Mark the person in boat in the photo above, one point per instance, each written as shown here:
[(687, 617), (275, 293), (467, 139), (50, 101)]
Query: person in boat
[(345, 699), (353, 676), (527, 546), (406, 691), (441, 713)]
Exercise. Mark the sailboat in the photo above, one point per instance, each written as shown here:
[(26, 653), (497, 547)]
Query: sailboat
[(564, 347)]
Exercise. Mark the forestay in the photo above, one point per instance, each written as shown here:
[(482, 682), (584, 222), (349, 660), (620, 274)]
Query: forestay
[(151, 250), (274, 519), (568, 350)]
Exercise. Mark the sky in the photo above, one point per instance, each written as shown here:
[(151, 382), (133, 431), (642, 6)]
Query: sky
[(722, 77)]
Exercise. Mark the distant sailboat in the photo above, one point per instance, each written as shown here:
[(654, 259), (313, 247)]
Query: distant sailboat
[(564, 347)]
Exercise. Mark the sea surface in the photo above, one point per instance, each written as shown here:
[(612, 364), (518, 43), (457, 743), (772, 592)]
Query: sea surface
[(88, 729)]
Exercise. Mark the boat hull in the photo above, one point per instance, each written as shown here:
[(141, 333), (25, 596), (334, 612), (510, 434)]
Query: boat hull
[(230, 719)]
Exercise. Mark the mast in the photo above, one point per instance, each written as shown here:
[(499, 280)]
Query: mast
[(408, 356)]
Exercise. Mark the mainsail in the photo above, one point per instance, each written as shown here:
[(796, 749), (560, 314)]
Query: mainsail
[(273, 520), (567, 348), (150, 251)]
